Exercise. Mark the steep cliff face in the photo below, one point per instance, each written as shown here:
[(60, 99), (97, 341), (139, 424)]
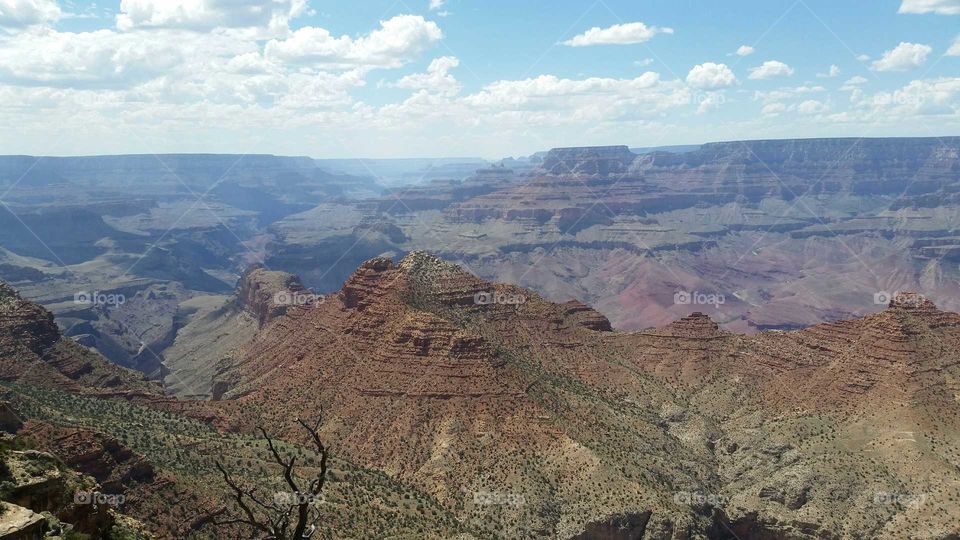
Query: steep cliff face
[(33, 350), (266, 294), (789, 168), (24, 325), (593, 160)]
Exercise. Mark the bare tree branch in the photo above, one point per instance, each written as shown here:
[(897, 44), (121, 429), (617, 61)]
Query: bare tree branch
[(276, 518)]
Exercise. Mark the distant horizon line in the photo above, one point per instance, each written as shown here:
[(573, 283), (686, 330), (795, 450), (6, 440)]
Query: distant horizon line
[(468, 158)]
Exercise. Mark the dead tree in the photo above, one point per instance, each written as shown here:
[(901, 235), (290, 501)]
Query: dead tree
[(286, 516)]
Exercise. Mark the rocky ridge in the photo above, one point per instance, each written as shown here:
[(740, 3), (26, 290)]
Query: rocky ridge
[(415, 362)]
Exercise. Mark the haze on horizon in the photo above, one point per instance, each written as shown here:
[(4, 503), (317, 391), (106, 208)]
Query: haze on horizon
[(459, 78)]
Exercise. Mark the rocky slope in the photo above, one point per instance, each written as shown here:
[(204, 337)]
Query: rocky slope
[(209, 328), (32, 350), (43, 497), (535, 418), (503, 415)]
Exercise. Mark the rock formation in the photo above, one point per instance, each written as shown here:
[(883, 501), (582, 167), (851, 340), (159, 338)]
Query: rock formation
[(446, 380), (33, 350)]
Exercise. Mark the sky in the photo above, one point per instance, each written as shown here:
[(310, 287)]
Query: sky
[(467, 78)]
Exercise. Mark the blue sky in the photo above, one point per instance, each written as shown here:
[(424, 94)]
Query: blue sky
[(467, 78)]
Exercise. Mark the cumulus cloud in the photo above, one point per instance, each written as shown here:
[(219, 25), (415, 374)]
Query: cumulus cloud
[(853, 82), (618, 34), (745, 50), (784, 93), (812, 106), (918, 98), (710, 101), (770, 69), (548, 97), (436, 4), (103, 58), (436, 79), (834, 71), (710, 75), (903, 57), (954, 49), (23, 13), (208, 14), (773, 109), (942, 7), (398, 41)]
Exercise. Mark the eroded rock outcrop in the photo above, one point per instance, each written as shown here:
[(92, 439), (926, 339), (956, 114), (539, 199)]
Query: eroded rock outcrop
[(32, 349), (266, 294)]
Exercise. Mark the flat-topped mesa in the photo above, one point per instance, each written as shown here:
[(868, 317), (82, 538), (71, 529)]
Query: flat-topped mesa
[(793, 167), (266, 294), (594, 160)]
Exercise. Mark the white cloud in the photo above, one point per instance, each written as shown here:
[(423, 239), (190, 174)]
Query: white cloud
[(710, 101), (854, 82), (919, 98), (903, 57), (436, 79), (398, 41), (784, 93), (22, 13), (208, 14), (436, 4), (710, 75), (770, 69), (942, 7), (618, 34), (773, 109), (834, 71), (554, 100), (954, 49), (102, 58), (745, 50), (812, 106), (643, 63), (863, 57)]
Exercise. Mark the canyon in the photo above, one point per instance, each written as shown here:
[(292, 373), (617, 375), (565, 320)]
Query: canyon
[(746, 339)]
